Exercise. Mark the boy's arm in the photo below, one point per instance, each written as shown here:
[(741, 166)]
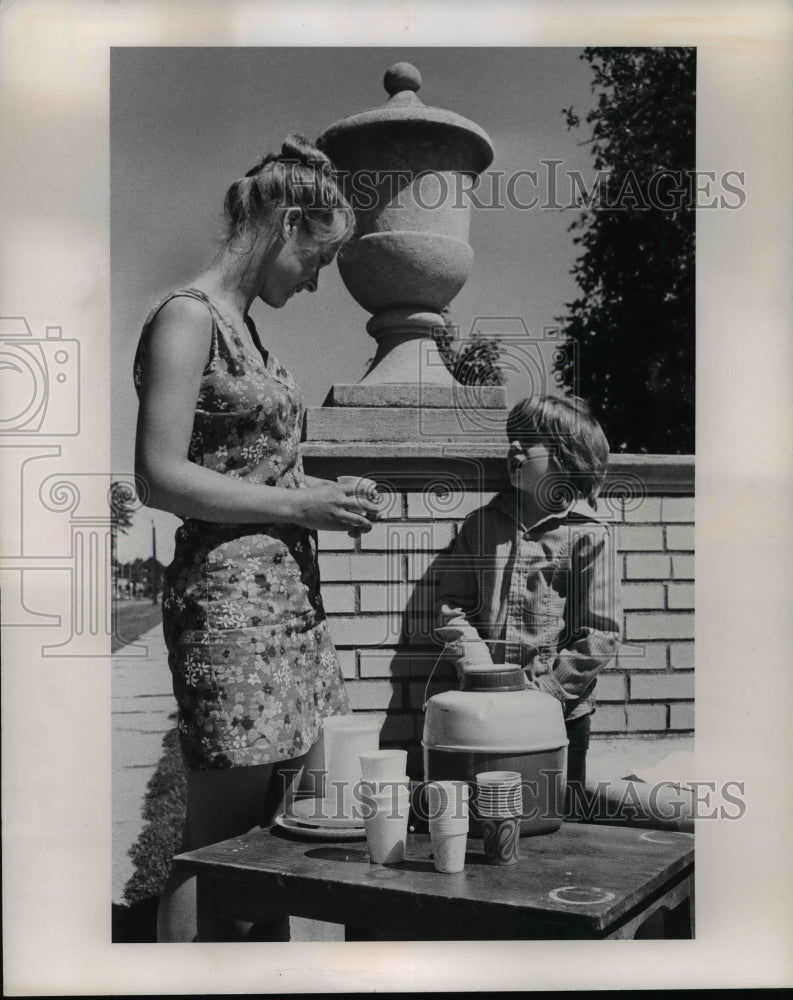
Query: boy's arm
[(593, 618), (457, 597)]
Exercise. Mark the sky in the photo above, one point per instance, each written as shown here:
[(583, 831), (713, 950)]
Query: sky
[(186, 122)]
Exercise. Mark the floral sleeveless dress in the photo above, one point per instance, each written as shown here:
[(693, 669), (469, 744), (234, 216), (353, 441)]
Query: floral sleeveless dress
[(253, 665)]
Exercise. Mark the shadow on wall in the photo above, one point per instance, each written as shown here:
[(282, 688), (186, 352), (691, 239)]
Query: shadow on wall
[(418, 659)]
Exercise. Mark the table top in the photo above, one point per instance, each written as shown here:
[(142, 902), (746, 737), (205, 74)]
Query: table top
[(586, 874)]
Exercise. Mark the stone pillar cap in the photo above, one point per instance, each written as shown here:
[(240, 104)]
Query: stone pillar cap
[(404, 108)]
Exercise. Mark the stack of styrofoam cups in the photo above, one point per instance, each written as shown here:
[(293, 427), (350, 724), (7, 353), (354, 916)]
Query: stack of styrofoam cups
[(385, 804), (447, 809), (499, 805)]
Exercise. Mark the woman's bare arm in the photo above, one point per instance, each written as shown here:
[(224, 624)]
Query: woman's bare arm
[(177, 353)]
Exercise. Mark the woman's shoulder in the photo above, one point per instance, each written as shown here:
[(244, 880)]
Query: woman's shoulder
[(179, 327), (182, 306)]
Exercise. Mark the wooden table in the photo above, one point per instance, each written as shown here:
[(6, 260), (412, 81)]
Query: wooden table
[(583, 881)]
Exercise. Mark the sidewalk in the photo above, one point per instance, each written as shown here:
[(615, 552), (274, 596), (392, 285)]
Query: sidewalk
[(142, 700)]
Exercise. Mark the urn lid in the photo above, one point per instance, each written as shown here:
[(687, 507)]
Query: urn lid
[(504, 678), (404, 120)]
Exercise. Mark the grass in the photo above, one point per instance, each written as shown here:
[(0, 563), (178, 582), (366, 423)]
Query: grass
[(163, 815), (131, 619)]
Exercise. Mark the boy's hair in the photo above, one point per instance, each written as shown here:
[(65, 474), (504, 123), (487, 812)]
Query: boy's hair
[(566, 426)]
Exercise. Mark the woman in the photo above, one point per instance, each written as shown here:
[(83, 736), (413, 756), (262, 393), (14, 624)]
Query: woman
[(218, 443)]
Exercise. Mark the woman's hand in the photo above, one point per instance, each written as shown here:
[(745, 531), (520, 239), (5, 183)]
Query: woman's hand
[(341, 506), (363, 487)]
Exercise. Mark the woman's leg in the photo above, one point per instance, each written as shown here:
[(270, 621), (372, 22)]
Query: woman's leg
[(221, 804)]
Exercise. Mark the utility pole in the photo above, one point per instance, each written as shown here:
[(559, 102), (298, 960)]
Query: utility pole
[(153, 564)]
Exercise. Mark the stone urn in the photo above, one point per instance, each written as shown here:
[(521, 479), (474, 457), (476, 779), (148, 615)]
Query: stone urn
[(406, 169)]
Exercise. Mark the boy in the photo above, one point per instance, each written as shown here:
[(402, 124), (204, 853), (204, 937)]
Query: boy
[(530, 571)]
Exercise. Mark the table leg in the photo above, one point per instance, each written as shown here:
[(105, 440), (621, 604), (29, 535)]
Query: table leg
[(679, 920), (668, 916)]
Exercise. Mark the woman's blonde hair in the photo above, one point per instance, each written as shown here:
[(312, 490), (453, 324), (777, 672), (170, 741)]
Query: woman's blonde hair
[(299, 176)]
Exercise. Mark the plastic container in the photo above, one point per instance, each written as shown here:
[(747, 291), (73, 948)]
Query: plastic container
[(497, 723)]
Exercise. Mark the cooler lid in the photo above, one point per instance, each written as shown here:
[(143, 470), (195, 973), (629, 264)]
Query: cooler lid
[(494, 721), (487, 678)]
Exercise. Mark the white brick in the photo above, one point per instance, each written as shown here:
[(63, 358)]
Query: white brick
[(677, 509), (359, 566), (377, 630), (374, 695), (610, 687), (338, 599), (416, 537), (683, 567), (609, 719), (455, 505), (681, 716), (646, 717), (658, 687), (680, 537), (641, 567), (637, 656), (642, 595), (680, 595), (396, 598), (400, 663), (335, 541), (681, 655), (659, 626), (647, 509), (639, 538), (347, 660)]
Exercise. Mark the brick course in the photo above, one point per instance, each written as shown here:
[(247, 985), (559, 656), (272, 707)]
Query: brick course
[(680, 537), (650, 567), (646, 509)]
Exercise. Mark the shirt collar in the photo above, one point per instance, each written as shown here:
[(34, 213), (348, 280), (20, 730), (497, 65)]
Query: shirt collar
[(508, 503)]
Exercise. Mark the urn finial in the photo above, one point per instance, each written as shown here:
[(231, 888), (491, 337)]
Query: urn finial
[(401, 76)]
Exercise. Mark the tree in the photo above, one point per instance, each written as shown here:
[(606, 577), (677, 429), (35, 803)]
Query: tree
[(122, 504), (474, 362), (634, 320)]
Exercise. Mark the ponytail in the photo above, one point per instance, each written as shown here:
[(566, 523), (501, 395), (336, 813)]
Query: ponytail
[(299, 176)]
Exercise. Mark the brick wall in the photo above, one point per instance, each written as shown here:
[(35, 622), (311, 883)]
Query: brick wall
[(378, 594)]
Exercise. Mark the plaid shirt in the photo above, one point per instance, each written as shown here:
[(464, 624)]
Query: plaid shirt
[(549, 591)]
